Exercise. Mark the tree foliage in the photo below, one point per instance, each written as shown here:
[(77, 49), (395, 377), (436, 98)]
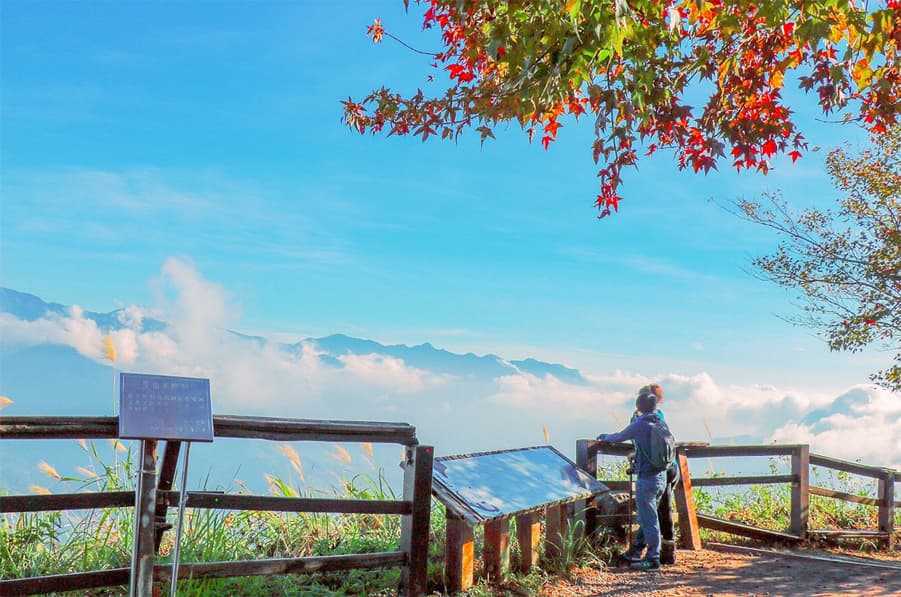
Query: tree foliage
[(846, 264), (630, 67)]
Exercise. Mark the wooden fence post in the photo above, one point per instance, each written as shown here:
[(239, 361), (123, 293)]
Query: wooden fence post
[(414, 533), (587, 460), (164, 483), (496, 551), (800, 499), (459, 554), (689, 534), (141, 581), (887, 508), (528, 536), (556, 526)]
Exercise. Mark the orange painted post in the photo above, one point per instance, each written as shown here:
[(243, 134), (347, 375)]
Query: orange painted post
[(528, 536), (496, 551), (459, 554), (800, 499), (689, 533), (556, 526)]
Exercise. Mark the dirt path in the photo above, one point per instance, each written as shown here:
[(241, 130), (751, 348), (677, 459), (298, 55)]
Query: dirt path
[(709, 572)]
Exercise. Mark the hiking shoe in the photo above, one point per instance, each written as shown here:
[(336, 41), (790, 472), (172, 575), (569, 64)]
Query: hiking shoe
[(667, 552), (645, 565), (633, 554)]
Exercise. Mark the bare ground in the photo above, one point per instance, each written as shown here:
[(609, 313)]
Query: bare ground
[(720, 573)]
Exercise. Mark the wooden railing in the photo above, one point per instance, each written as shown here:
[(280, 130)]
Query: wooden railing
[(414, 507), (799, 478)]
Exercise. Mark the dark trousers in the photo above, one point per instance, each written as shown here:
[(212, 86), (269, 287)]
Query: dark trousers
[(664, 510)]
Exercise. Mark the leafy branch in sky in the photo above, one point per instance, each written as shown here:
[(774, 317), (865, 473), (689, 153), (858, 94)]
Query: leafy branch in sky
[(629, 66), (846, 264)]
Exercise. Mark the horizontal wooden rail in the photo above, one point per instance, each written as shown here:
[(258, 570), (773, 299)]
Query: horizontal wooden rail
[(201, 499), (752, 480), (283, 565), (119, 576), (66, 501), (73, 581), (850, 534), (59, 427), (727, 451), (280, 429), (847, 497), (271, 428), (876, 472), (729, 526)]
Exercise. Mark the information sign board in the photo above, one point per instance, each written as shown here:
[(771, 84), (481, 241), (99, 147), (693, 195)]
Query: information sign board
[(490, 485), (165, 407)]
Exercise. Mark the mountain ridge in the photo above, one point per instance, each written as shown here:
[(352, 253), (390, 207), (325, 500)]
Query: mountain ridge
[(426, 356)]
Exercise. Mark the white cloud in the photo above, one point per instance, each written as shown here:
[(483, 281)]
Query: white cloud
[(255, 376), (870, 432)]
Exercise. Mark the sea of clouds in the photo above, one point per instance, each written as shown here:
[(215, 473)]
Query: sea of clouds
[(456, 414)]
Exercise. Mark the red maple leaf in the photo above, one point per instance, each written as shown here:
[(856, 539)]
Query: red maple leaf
[(376, 31)]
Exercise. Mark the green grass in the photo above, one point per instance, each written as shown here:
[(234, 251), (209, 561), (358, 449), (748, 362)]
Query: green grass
[(769, 506), (48, 543)]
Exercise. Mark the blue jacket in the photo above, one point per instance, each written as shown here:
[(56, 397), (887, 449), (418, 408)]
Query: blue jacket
[(639, 431)]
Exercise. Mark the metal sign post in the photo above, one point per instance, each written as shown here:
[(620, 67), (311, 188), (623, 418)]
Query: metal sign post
[(151, 408), (182, 499)]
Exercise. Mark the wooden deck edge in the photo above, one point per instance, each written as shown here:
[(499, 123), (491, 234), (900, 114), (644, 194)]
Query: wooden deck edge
[(790, 554)]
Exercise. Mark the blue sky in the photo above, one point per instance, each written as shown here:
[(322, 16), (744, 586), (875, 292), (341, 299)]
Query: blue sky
[(210, 132)]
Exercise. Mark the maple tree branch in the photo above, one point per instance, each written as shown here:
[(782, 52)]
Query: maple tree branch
[(409, 47)]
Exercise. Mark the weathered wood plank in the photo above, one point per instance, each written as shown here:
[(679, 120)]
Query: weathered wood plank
[(556, 526), (67, 501), (164, 484), (848, 533), (617, 485), (414, 529), (746, 480), (800, 494), (459, 553), (528, 536), (887, 509), (587, 460), (283, 566), (496, 550), (201, 499), (834, 560), (847, 497), (75, 581), (737, 528), (33, 427), (141, 581), (120, 576), (745, 450), (689, 534), (281, 429), (609, 449), (272, 428), (856, 468)]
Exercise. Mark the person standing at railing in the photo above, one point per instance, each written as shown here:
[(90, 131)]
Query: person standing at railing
[(665, 508), (651, 482)]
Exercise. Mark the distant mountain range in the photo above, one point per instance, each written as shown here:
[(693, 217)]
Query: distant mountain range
[(28, 307), (453, 407)]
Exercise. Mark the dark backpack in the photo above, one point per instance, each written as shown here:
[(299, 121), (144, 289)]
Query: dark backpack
[(662, 445)]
